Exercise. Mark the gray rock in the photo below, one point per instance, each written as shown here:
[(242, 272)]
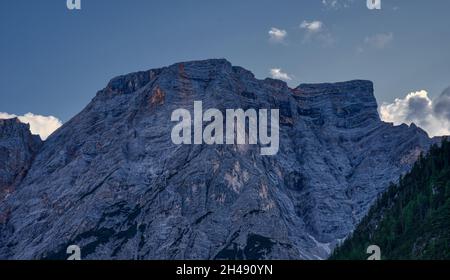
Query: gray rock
[(17, 150), (112, 182)]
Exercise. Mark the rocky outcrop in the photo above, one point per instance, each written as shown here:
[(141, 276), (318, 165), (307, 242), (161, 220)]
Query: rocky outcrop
[(17, 150), (112, 182)]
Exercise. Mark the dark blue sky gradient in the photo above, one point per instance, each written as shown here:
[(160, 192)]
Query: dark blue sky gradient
[(52, 60)]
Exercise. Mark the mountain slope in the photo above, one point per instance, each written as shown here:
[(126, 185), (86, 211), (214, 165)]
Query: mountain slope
[(111, 180), (412, 219)]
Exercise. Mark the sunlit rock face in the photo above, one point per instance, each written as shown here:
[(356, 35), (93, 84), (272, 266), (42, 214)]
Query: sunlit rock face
[(112, 182)]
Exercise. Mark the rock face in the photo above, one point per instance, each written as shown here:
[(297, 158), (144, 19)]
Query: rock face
[(17, 150), (112, 182)]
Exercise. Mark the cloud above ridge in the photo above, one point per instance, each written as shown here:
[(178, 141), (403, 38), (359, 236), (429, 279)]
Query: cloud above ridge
[(277, 73), (431, 115), (39, 125)]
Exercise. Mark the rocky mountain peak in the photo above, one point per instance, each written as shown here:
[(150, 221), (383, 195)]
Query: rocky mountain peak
[(17, 150), (112, 182), (344, 104), (12, 127)]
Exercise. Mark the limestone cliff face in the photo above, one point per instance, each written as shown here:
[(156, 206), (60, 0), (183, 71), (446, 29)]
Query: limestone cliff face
[(111, 180), (17, 150)]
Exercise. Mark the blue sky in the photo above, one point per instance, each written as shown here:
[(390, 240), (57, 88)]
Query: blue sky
[(53, 60)]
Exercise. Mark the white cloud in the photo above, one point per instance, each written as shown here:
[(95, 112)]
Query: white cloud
[(315, 32), (277, 35), (276, 73), (337, 4), (379, 41), (431, 115), (312, 26), (441, 105), (40, 125), (330, 3)]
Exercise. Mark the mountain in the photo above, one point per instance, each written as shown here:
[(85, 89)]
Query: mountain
[(412, 219), (17, 150), (111, 181)]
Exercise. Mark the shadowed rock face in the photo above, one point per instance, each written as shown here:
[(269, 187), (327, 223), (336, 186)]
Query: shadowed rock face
[(17, 150), (111, 181)]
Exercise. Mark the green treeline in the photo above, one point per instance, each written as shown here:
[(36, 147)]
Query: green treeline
[(411, 220)]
